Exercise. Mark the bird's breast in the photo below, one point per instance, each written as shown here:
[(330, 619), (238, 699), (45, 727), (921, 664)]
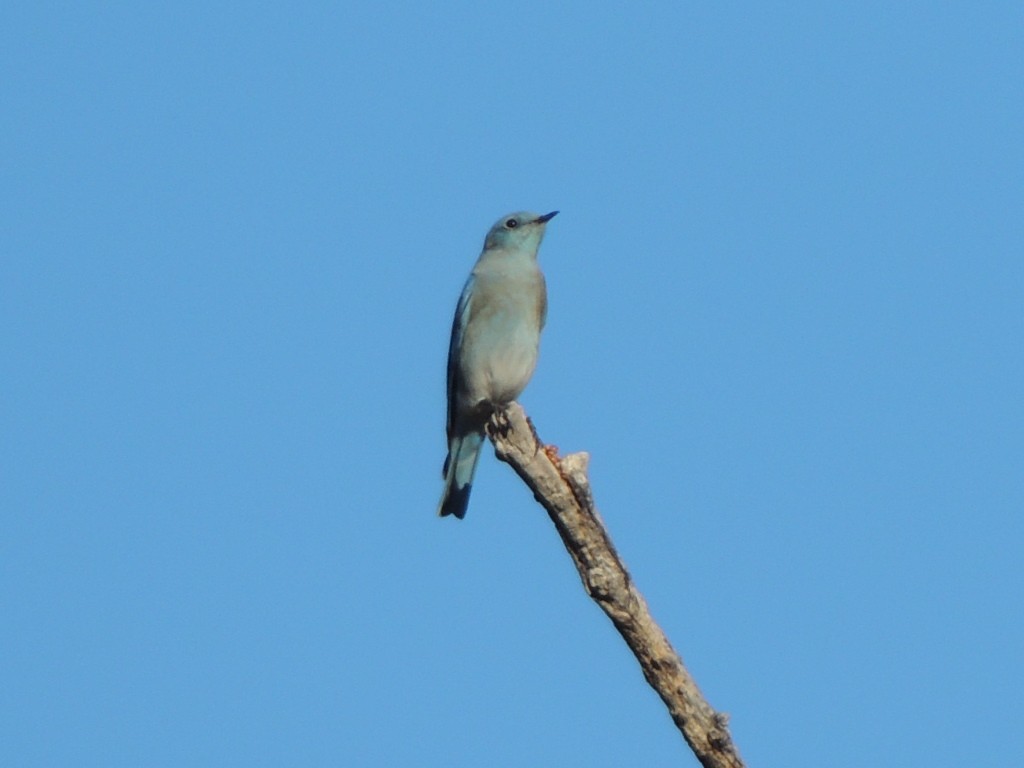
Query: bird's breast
[(500, 348)]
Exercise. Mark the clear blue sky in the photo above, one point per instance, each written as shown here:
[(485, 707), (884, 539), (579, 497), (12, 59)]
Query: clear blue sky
[(786, 320)]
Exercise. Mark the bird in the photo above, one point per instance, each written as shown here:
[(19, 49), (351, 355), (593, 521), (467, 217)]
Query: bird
[(494, 344)]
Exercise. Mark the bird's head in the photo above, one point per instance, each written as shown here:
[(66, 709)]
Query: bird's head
[(517, 231)]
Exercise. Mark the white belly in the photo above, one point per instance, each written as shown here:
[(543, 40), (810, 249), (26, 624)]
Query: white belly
[(499, 357)]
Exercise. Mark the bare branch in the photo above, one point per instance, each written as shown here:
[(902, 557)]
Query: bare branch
[(562, 487)]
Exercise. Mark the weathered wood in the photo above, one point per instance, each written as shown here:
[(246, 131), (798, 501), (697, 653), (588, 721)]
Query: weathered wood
[(560, 484)]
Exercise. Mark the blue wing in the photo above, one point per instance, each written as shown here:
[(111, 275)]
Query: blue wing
[(464, 450), (455, 346)]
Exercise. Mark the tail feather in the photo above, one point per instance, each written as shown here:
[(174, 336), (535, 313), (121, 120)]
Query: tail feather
[(459, 467)]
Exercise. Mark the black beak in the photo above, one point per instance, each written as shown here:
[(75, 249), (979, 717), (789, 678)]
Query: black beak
[(546, 217)]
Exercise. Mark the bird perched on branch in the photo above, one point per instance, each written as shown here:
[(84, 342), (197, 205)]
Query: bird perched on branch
[(493, 349)]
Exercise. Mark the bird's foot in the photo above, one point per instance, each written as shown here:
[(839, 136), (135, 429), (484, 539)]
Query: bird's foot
[(499, 423)]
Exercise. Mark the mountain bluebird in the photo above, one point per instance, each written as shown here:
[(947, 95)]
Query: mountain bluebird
[(493, 349)]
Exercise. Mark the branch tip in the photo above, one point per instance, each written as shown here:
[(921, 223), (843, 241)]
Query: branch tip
[(563, 489)]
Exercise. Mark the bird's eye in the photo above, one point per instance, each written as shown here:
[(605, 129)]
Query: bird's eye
[(511, 224)]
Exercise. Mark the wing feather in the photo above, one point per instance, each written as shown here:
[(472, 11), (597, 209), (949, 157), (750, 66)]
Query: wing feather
[(462, 312)]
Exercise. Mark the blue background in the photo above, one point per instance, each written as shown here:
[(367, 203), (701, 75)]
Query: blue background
[(786, 294)]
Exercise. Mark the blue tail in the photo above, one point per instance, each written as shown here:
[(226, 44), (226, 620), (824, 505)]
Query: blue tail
[(458, 474)]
